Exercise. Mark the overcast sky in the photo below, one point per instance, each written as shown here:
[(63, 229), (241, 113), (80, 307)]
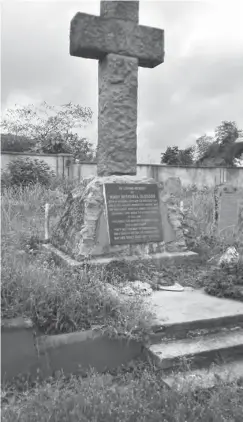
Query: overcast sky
[(199, 84)]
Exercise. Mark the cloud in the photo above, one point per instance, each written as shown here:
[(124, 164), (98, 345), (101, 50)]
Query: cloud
[(199, 84)]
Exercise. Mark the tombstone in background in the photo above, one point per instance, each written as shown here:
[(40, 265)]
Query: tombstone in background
[(240, 215), (118, 215), (230, 209)]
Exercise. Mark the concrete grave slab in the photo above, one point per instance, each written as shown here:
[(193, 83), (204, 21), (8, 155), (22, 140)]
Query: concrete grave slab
[(187, 306)]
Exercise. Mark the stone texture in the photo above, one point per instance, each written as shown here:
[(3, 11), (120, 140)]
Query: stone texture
[(117, 121), (196, 310), (120, 45), (94, 37), (240, 217), (126, 10), (206, 378), (171, 192), (230, 209), (18, 351), (201, 350), (83, 231)]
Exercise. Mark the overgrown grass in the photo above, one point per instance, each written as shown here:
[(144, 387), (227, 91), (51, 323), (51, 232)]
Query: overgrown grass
[(60, 300), (203, 237), (57, 299), (137, 396), (200, 223)]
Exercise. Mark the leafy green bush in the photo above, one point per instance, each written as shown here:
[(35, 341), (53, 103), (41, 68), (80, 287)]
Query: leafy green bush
[(25, 172), (226, 281), (14, 143)]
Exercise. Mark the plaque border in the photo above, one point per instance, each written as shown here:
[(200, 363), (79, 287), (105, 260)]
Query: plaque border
[(107, 218), (106, 214)]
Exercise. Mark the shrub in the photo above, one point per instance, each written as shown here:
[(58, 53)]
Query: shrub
[(14, 143), (64, 185), (225, 282), (25, 172), (198, 216)]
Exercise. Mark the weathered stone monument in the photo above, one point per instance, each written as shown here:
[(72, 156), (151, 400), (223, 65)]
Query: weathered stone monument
[(118, 215), (121, 45), (230, 209)]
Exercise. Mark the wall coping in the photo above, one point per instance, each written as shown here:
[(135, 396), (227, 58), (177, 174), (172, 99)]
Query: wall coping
[(60, 154), (168, 166), (14, 324)]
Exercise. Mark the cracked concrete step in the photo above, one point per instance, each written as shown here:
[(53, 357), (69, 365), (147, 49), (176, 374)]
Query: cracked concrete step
[(200, 351), (195, 328), (177, 313), (207, 378)]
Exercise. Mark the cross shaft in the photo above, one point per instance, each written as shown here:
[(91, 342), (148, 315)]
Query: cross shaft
[(121, 45)]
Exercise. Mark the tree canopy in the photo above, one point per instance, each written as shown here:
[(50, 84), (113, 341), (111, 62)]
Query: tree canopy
[(47, 129), (177, 157), (222, 149)]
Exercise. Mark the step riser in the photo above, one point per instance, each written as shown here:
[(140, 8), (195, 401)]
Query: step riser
[(206, 378), (200, 360), (181, 331)]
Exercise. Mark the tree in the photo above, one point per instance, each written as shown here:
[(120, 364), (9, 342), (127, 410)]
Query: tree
[(16, 143), (224, 150), (170, 156), (81, 149), (238, 162), (186, 156), (227, 132), (202, 145), (174, 156), (51, 128)]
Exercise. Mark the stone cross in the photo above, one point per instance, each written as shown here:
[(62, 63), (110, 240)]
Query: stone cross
[(121, 45)]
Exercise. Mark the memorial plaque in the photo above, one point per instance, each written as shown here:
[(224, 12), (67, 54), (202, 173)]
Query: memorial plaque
[(133, 213)]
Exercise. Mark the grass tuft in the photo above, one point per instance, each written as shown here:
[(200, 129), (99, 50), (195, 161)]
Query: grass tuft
[(57, 299), (61, 300), (138, 396)]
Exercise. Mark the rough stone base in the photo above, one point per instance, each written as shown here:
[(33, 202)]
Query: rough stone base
[(170, 258), (82, 231)]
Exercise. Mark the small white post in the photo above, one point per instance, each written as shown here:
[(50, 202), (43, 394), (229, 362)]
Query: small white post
[(47, 208), (181, 206)]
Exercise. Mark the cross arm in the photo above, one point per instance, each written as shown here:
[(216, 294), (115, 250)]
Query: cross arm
[(94, 37)]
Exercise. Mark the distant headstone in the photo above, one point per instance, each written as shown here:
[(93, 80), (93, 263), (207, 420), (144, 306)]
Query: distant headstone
[(230, 208), (240, 216), (173, 186), (133, 213)]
